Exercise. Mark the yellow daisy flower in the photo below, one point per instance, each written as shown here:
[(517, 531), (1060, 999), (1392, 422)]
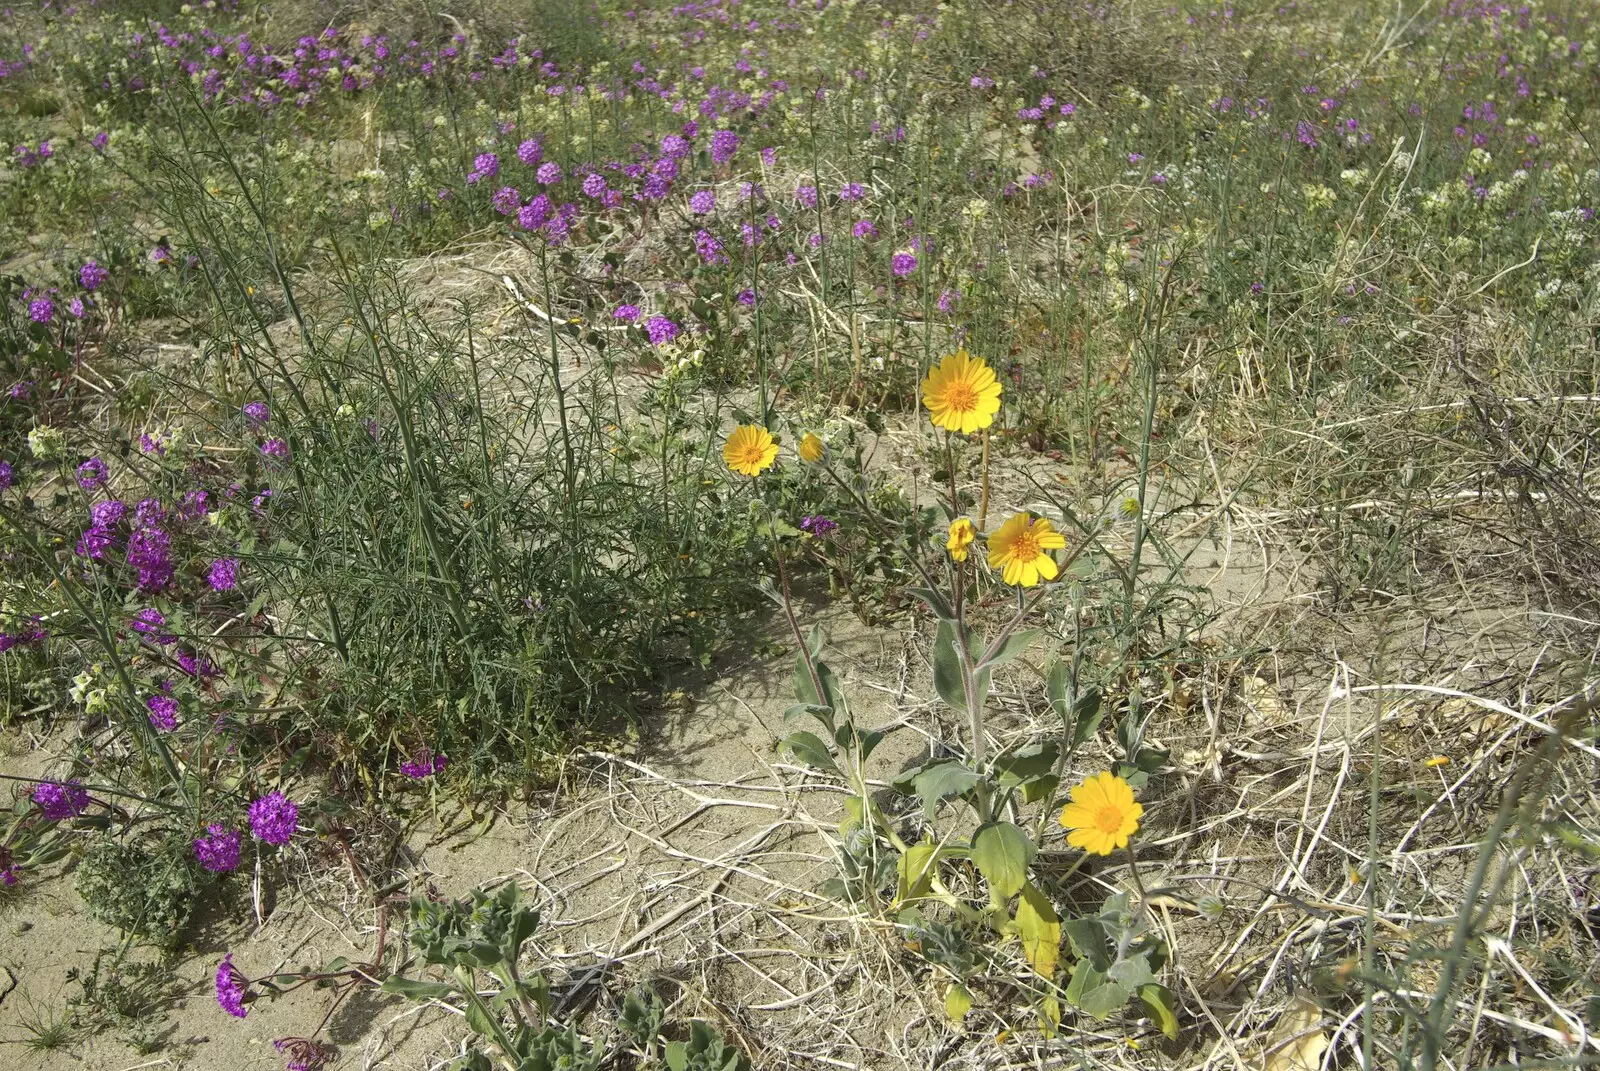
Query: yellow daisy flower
[(750, 450), (1102, 815), (962, 534), (962, 393), (1021, 547), (811, 448)]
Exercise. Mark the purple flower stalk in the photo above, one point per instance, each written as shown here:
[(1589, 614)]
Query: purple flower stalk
[(256, 413), (218, 850), (424, 763), (506, 200), (903, 264), (273, 818), (864, 229), (594, 185), (163, 712), (92, 474), (530, 152), (92, 276), (149, 552), (661, 330), (150, 622), (233, 988), (7, 475), (224, 574), (534, 214), (817, 525), (724, 143), (108, 514), (625, 313), (487, 165), (41, 310), (549, 173), (852, 191), (703, 202), (61, 800), (806, 195), (196, 665)]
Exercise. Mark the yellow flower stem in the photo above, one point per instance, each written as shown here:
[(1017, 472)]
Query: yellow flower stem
[(1133, 871), (950, 468), (788, 609), (983, 499), (969, 688)]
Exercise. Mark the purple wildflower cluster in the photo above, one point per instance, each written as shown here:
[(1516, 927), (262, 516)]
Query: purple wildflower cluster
[(218, 850), (163, 712), (661, 330), (273, 818), (424, 763), (817, 525), (223, 574), (233, 988), (60, 800)]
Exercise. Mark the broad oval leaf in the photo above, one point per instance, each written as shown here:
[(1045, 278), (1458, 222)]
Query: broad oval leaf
[(1001, 851), (810, 749), (957, 1002), (1040, 930), (1163, 1008), (939, 780)]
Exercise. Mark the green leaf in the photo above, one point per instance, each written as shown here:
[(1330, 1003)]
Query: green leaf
[(1087, 715), (1013, 647), (1088, 937), (794, 710), (939, 780), (1040, 788), (1131, 972), (1002, 851), (1085, 976), (852, 739), (1150, 759), (809, 749), (677, 1055), (479, 1019), (957, 1002), (1104, 1001), (416, 988), (523, 923), (935, 602), (1040, 930), (1163, 1008), (1057, 688), (1026, 763), (947, 666)]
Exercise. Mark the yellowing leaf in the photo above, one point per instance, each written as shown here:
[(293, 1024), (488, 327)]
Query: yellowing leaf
[(957, 1002), (916, 871), (1049, 1016), (1040, 930), (1262, 697), (1297, 1042)]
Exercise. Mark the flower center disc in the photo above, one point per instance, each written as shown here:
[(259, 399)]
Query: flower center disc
[(961, 397), (1108, 820), (1026, 547)]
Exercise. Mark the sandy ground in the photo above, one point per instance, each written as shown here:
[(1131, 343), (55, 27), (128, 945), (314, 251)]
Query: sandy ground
[(691, 861)]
